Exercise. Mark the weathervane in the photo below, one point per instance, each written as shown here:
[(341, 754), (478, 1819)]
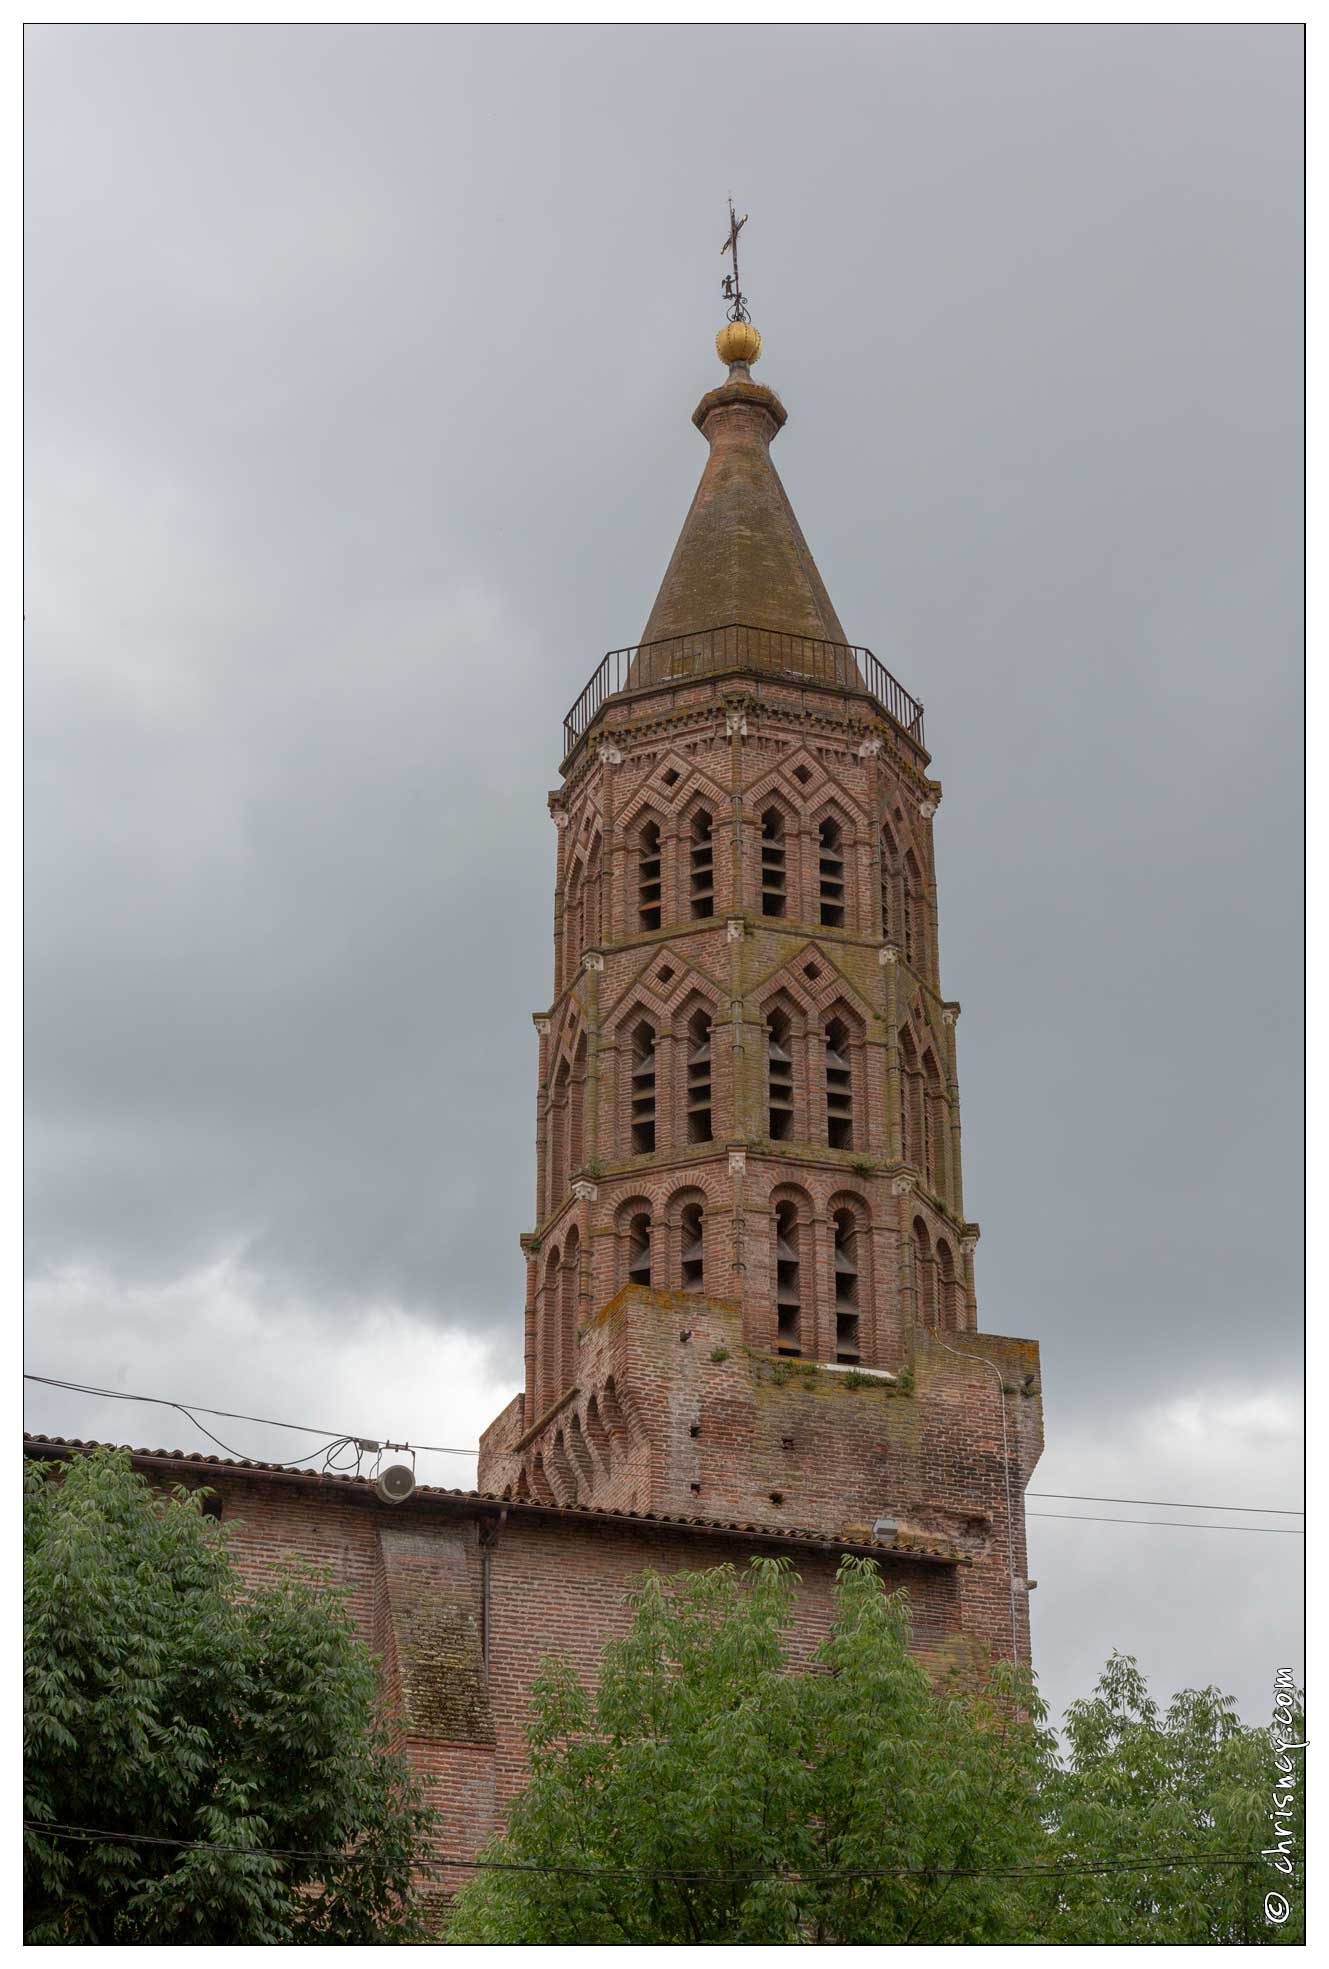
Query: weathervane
[(733, 293)]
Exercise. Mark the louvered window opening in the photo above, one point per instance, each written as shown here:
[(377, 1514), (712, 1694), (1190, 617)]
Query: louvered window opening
[(774, 895), (832, 875), (846, 1287), (839, 1088), (702, 874), (693, 1242), (643, 1091), (648, 877), (788, 1282), (699, 1078), (780, 1078), (639, 1250)]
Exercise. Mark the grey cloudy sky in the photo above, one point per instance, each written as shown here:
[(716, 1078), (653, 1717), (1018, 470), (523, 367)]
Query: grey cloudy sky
[(359, 372)]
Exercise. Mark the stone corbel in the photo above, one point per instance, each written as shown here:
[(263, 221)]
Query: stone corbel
[(738, 1161), (610, 755), (734, 929), (735, 722), (902, 1185), (888, 954), (593, 960), (927, 809), (870, 749), (541, 1024), (585, 1192)]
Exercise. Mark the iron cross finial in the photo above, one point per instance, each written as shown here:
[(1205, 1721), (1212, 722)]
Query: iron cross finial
[(733, 293)]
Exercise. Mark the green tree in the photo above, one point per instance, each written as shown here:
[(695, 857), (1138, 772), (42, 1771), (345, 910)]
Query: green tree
[(798, 1793), (1189, 1782), (164, 1701)]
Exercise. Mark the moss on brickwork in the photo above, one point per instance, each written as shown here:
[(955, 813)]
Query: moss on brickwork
[(442, 1672)]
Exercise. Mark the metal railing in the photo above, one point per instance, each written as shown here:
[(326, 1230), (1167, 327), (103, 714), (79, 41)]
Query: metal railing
[(738, 647)]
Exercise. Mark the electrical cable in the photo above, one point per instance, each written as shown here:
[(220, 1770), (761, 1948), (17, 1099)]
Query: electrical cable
[(232, 1415), (1164, 1503), (1173, 1524), (1121, 1863)]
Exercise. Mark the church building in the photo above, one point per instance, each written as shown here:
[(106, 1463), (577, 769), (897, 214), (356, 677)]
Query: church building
[(750, 1316)]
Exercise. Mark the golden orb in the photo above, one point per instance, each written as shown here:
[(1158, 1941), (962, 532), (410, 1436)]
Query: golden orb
[(738, 341)]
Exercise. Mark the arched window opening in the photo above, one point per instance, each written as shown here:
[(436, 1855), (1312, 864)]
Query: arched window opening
[(839, 1087), (643, 1090), (558, 1135), (846, 1286), (699, 1077), (590, 897), (888, 858), (780, 1077), (571, 1283), (648, 876), (933, 1121), (924, 1276), (832, 874), (692, 1229), (572, 925), (913, 910), (946, 1285), (911, 1101), (547, 1364), (639, 1249), (577, 1108), (702, 871), (788, 1282), (774, 896)]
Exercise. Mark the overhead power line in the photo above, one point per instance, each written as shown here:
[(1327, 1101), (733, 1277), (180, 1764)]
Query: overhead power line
[(1164, 1503), (1162, 1524), (1126, 1863), (194, 1409)]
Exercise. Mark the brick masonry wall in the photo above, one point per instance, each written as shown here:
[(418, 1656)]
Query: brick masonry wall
[(414, 1577)]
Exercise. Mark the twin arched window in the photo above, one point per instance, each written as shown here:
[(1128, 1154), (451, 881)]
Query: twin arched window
[(840, 1045), (643, 1255), (791, 1233), (936, 1287)]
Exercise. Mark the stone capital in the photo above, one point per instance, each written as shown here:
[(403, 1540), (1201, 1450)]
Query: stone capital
[(733, 929), (593, 960), (585, 1192), (541, 1024), (949, 1014), (927, 808), (902, 1185), (888, 954), (735, 721), (738, 1161), (610, 756), (870, 749)]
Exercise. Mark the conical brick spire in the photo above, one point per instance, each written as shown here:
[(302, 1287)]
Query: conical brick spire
[(741, 557)]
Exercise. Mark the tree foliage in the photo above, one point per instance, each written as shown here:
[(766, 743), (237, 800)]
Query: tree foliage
[(704, 1794), (163, 1701), (1188, 1783), (699, 1751)]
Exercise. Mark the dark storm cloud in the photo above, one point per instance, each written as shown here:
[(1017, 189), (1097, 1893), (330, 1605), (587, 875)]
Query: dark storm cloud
[(359, 371)]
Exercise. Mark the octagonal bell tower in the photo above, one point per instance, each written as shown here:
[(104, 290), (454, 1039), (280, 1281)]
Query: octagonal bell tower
[(749, 1175)]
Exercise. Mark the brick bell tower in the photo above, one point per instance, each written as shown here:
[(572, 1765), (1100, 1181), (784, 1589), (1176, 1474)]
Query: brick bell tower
[(750, 1285)]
